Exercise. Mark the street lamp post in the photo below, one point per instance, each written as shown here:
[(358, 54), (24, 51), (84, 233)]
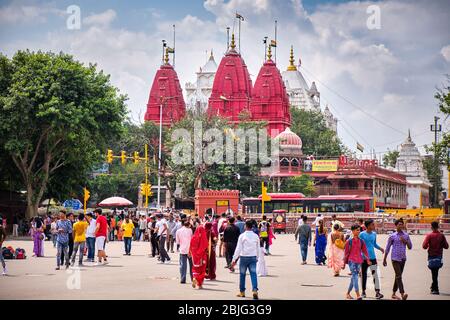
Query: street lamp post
[(436, 128)]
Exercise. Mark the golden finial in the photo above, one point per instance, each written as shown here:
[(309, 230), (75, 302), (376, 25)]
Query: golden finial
[(292, 66), (269, 53), (166, 58), (212, 55), (233, 45)]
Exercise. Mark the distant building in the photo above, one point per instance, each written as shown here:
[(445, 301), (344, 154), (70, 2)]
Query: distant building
[(305, 97), (409, 163), (197, 95)]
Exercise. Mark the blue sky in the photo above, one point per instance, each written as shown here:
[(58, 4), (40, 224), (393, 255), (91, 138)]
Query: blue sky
[(366, 76)]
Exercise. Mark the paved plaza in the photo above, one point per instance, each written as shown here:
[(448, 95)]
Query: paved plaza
[(141, 277)]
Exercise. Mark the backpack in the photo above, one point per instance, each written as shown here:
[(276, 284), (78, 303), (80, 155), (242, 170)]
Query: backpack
[(263, 232), (8, 253), (20, 254)]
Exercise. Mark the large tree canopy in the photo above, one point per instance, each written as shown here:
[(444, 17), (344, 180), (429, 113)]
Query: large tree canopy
[(318, 140), (57, 116)]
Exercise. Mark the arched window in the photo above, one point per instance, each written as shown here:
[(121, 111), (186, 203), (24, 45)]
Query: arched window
[(284, 162)]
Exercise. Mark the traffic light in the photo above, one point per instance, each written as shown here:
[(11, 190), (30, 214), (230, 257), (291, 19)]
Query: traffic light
[(146, 189), (109, 156), (123, 157), (136, 157), (265, 196), (87, 194)]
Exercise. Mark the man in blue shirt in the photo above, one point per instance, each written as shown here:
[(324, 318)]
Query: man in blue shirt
[(369, 236), (64, 228), (240, 224)]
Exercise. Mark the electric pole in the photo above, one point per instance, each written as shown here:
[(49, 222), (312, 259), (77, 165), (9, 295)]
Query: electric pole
[(436, 128)]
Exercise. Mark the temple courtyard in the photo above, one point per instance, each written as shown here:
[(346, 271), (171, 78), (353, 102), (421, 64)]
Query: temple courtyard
[(141, 277)]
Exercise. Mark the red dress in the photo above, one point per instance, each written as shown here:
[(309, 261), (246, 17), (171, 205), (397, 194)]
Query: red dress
[(199, 253)]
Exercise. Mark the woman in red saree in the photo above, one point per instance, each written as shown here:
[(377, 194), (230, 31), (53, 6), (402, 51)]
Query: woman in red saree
[(199, 253), (211, 236)]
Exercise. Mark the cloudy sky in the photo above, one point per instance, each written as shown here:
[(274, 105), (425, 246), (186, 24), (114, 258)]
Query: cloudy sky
[(378, 82)]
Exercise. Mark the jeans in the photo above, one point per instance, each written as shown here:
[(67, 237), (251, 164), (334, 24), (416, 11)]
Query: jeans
[(304, 248), (54, 236), (229, 251), (184, 260), (434, 275), (2, 260), (15, 230), (127, 242), (354, 268), (77, 245), (162, 250), (62, 250), (373, 269), (111, 234), (250, 264), (398, 282), (90, 242), (155, 245)]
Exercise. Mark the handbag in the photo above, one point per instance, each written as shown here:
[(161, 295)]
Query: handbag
[(339, 243), (41, 236), (435, 263)]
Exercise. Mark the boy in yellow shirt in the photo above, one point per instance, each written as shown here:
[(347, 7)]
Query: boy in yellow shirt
[(127, 227), (79, 238)]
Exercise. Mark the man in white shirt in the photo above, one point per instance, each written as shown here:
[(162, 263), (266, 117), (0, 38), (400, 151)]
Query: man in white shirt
[(183, 238), (247, 251), (316, 221), (90, 237), (334, 221), (162, 231)]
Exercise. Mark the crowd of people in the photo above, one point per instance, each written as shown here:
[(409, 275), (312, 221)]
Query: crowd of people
[(197, 240), (356, 247)]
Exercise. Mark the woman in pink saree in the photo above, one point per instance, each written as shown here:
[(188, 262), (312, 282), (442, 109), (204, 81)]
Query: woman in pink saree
[(336, 250)]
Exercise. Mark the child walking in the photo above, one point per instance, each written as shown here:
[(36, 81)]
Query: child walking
[(354, 250)]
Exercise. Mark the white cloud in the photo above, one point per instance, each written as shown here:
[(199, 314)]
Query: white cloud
[(445, 51), (26, 13), (103, 19)]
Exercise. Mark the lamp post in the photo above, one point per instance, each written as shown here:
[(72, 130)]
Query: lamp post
[(436, 128), (162, 101)]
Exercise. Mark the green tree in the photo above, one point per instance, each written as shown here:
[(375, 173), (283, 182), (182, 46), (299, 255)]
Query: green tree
[(318, 140), (303, 184), (390, 158), (56, 114)]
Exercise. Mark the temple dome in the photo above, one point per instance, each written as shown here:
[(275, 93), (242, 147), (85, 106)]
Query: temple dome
[(232, 87), (288, 138), (270, 101), (166, 87)]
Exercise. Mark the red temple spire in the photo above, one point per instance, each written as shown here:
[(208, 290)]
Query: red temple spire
[(165, 89), (270, 101), (232, 87)]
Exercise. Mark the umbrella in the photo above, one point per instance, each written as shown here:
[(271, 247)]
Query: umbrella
[(115, 202), (48, 202)]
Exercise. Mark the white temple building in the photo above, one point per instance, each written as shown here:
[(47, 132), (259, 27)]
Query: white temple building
[(303, 96), (410, 164), (197, 94)]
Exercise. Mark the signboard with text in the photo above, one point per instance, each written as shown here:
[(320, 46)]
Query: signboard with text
[(324, 165), (222, 203)]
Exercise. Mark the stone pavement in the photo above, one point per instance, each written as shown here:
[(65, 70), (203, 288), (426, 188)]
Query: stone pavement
[(140, 277)]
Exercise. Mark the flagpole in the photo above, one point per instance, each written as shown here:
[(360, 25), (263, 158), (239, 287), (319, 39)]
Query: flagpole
[(174, 46), (265, 48), (228, 38), (276, 41), (239, 34)]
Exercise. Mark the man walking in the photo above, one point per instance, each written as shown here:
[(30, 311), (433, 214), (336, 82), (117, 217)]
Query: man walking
[(79, 239), (153, 237), (183, 238), (370, 239), (399, 241), (142, 228), (162, 231), (90, 237), (230, 237), (435, 242), (101, 230), (15, 226), (304, 235), (127, 228), (240, 224), (64, 228), (171, 224), (247, 251), (264, 234)]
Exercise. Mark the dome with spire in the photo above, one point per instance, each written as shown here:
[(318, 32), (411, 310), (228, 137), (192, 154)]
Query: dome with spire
[(270, 102), (287, 138), (165, 89), (232, 86)]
